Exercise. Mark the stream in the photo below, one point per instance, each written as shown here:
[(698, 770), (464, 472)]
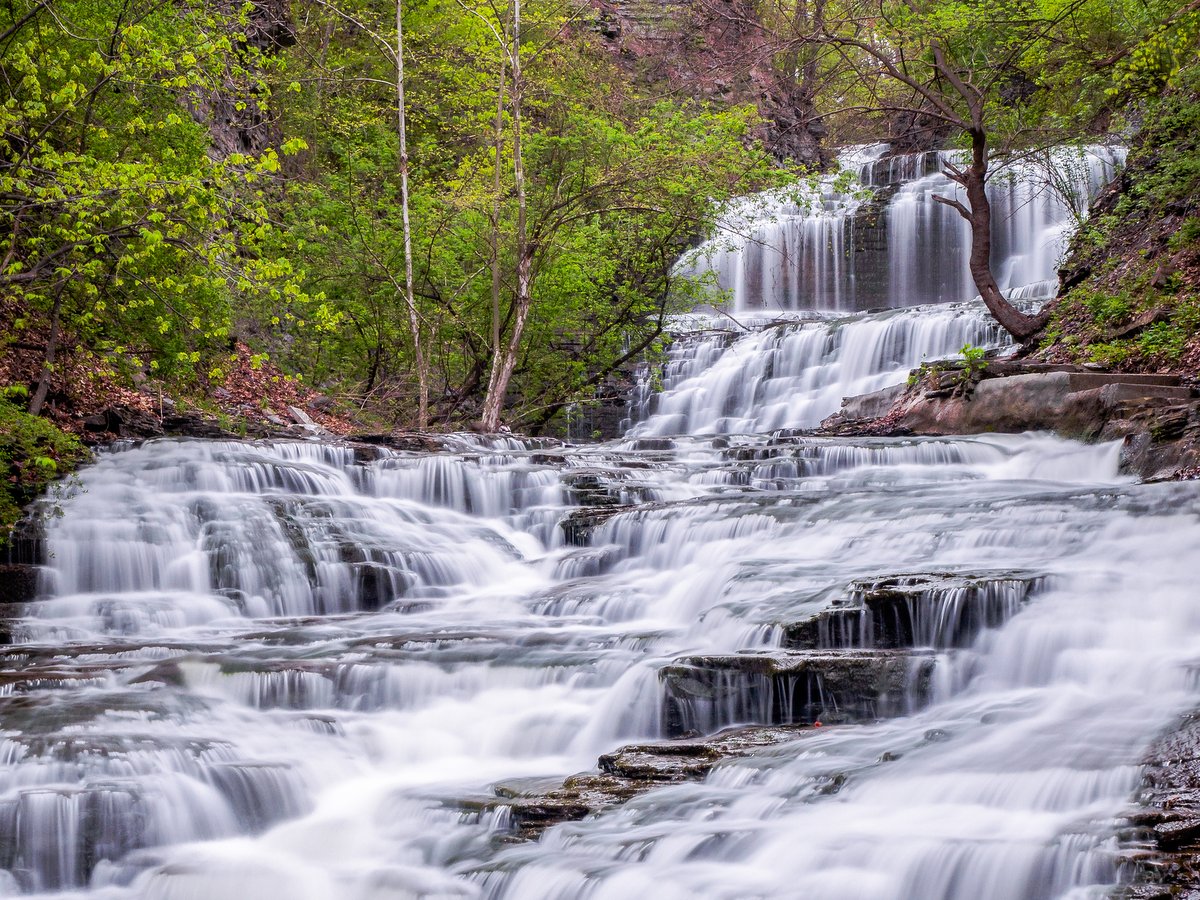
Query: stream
[(316, 671)]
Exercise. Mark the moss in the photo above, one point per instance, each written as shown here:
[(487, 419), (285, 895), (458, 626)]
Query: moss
[(33, 453)]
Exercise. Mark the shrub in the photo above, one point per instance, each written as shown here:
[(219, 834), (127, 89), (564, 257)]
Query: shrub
[(33, 453)]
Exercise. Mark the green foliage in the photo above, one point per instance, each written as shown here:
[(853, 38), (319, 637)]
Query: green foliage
[(1111, 355), (617, 188), (116, 215), (1187, 235), (1141, 254), (1164, 340), (974, 361), (959, 378), (121, 221), (1107, 309), (33, 453)]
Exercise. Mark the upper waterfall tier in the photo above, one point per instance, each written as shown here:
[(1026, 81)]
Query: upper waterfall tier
[(882, 240)]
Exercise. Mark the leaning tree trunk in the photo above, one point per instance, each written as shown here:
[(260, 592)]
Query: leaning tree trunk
[(43, 385), (978, 213)]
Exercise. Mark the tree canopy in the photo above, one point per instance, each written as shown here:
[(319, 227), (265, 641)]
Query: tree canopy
[(175, 175)]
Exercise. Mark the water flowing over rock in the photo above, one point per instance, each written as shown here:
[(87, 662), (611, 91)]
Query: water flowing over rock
[(266, 669), (719, 658), (882, 240), (794, 374)]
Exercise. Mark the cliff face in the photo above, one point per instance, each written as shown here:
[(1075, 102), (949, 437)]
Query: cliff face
[(235, 115), (716, 51)]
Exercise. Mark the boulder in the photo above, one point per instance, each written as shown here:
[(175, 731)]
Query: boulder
[(18, 583)]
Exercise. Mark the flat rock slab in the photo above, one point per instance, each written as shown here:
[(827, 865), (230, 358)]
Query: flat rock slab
[(1012, 396), (535, 804)]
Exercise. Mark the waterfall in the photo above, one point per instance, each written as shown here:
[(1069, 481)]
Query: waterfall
[(794, 374), (881, 239), (268, 669), (321, 671)]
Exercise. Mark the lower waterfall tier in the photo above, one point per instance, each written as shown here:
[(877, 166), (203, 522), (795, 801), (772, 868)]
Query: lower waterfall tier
[(307, 671)]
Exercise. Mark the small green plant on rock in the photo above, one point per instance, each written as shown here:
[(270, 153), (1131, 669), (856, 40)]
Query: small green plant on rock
[(975, 359), (950, 378)]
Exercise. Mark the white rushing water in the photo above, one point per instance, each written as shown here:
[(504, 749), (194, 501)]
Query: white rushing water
[(794, 374), (880, 239), (271, 670), (312, 672)]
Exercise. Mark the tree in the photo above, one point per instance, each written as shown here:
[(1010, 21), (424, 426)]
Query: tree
[(1001, 76), (504, 354), (120, 228), (410, 303), (610, 189)]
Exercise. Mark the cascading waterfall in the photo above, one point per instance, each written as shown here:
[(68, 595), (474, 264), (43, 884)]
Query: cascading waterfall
[(881, 240), (794, 374), (788, 254), (305, 670), (213, 699)]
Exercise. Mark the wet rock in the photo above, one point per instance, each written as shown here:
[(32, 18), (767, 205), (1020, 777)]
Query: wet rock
[(365, 454), (641, 445), (193, 424), (125, 422), (941, 609), (412, 443), (703, 694), (537, 804), (664, 762), (18, 583), (26, 543), (1167, 825), (579, 525), (592, 488), (1162, 443)]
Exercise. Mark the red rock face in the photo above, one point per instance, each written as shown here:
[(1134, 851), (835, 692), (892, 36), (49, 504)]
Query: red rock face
[(716, 51)]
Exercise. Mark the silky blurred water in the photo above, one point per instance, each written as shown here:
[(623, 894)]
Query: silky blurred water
[(299, 670), (271, 670)]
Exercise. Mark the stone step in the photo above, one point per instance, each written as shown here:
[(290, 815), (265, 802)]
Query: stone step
[(940, 610), (1086, 381), (1139, 391), (704, 694)]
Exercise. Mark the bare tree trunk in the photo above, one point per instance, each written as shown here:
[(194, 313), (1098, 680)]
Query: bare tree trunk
[(504, 361), (43, 385), (496, 204), (414, 318)]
